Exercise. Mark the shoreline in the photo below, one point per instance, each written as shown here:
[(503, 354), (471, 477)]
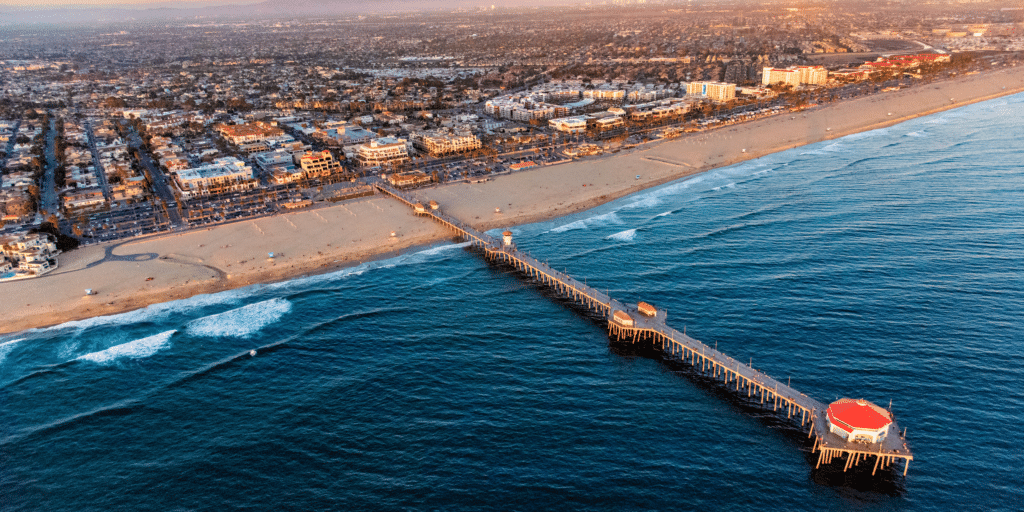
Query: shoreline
[(324, 240)]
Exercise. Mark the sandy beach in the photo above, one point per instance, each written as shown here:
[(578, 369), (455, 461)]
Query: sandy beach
[(328, 238)]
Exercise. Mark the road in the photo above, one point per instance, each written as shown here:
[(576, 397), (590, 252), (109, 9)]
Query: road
[(161, 186), (49, 200), (101, 174)]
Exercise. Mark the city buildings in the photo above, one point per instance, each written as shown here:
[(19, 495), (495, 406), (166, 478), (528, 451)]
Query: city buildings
[(248, 132), (279, 165), (445, 141), (27, 255), (223, 175), (384, 151), (83, 199), (574, 124), (408, 179), (449, 87), (795, 75), (714, 91), (319, 164)]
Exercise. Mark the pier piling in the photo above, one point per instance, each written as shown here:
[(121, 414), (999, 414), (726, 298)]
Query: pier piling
[(627, 323)]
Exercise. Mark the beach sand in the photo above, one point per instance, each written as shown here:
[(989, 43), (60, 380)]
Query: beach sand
[(328, 238)]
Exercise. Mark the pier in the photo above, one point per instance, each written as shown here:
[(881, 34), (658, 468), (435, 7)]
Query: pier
[(644, 323)]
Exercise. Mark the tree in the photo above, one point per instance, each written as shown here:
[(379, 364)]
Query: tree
[(113, 102), (64, 243)]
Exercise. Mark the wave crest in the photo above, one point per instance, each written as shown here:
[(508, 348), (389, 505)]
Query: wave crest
[(152, 312), (624, 236), (137, 349), (598, 220), (241, 322), (7, 346)]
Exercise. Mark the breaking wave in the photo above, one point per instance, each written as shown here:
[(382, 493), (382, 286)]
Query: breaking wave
[(599, 220), (624, 236), (152, 312), (137, 349), (303, 283), (241, 322), (826, 150), (7, 346)]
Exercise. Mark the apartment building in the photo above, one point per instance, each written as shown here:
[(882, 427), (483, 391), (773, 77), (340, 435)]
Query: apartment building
[(714, 91), (446, 142), (383, 151)]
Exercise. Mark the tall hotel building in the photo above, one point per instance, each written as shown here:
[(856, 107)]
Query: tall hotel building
[(810, 75), (715, 91)]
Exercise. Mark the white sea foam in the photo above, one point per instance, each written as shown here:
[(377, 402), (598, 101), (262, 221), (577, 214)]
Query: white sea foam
[(665, 214), (598, 220), (441, 249), (649, 201), (825, 150), (7, 346), (137, 349), (152, 312), (623, 236), (241, 322), (304, 283), (720, 187), (570, 227), (917, 134), (867, 134)]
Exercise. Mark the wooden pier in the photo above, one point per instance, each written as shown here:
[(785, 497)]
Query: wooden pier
[(628, 323)]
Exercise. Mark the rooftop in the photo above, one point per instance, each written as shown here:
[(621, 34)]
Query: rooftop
[(849, 414)]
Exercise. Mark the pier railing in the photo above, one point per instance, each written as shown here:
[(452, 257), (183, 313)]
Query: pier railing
[(636, 326)]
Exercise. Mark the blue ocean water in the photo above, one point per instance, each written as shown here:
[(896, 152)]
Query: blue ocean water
[(885, 265)]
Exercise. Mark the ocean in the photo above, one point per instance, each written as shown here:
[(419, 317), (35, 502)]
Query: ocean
[(885, 265)]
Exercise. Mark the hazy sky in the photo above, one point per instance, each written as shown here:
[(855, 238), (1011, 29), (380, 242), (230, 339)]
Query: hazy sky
[(58, 4)]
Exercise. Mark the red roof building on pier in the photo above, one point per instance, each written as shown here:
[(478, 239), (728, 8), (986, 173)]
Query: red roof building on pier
[(858, 420)]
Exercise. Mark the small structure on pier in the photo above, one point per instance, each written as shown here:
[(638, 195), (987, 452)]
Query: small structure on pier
[(856, 430), (646, 309), (622, 318), (858, 420), (434, 205)]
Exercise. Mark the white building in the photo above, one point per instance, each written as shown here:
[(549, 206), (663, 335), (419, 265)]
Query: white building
[(446, 142), (795, 75), (715, 91), (605, 94), (223, 174), (574, 124), (383, 151)]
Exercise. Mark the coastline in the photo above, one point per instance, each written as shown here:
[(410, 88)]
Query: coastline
[(327, 239)]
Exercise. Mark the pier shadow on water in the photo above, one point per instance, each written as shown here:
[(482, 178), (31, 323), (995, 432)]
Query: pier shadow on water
[(857, 483)]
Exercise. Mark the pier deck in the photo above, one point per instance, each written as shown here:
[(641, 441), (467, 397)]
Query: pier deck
[(755, 384)]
